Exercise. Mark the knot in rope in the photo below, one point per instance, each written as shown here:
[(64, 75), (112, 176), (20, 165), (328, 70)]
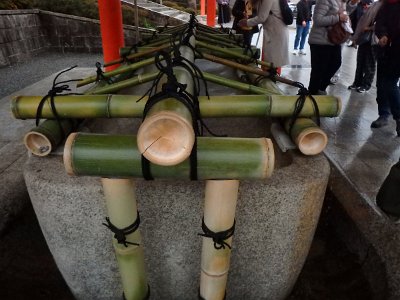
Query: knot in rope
[(218, 237), (120, 234)]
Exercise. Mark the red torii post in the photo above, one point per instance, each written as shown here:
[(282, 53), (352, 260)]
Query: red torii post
[(112, 32), (211, 6)]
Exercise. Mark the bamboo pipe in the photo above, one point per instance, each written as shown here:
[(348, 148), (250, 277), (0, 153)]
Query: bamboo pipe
[(166, 136), (217, 158), (120, 70), (122, 212), (222, 37), (309, 138), (219, 215), (115, 87), (235, 84), (126, 106), (228, 51), (142, 53), (44, 138), (159, 42), (215, 41)]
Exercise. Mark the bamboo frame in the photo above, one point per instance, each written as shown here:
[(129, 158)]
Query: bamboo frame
[(217, 158), (126, 106), (219, 215), (122, 211)]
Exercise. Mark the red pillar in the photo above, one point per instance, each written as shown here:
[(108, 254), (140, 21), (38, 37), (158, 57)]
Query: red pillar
[(211, 12), (112, 32), (202, 7)]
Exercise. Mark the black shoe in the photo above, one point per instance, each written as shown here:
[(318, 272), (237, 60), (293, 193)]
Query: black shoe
[(380, 122), (398, 127), (362, 89), (352, 87)]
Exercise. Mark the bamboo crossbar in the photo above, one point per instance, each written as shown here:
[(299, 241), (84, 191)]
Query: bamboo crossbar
[(217, 158), (126, 106)]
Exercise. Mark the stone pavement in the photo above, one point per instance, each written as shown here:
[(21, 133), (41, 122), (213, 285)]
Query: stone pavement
[(360, 159)]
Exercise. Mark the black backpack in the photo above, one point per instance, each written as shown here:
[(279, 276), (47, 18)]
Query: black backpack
[(287, 14)]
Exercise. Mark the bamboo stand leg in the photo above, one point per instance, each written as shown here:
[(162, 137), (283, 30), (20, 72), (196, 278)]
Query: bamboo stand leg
[(219, 215), (122, 211)]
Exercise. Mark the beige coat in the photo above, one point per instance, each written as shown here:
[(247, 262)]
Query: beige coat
[(276, 33)]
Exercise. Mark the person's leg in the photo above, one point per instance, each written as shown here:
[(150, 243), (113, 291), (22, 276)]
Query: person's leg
[(383, 103), (318, 67), (358, 77), (369, 66), (303, 38), (299, 30), (332, 59)]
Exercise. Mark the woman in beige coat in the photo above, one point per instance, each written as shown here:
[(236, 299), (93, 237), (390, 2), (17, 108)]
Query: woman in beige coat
[(276, 33)]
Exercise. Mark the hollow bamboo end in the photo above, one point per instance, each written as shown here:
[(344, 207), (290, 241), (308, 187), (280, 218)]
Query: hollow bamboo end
[(68, 165), (37, 143), (14, 107), (165, 138), (312, 141), (339, 106), (269, 158)]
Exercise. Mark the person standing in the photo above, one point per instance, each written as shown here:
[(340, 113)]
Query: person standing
[(303, 21), (275, 32), (367, 49), (224, 11), (326, 57), (244, 8), (387, 29)]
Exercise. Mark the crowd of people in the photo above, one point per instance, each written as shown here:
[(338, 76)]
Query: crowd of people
[(375, 29)]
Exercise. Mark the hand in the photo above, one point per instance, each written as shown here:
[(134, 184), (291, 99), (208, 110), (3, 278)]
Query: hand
[(303, 23), (383, 41), (242, 23), (343, 17)]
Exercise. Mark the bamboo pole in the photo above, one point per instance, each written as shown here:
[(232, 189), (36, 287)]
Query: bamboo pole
[(222, 37), (309, 138), (219, 215), (115, 87), (214, 41), (44, 138), (217, 158), (156, 43), (235, 84), (126, 106), (228, 51), (142, 53), (166, 136), (120, 70), (122, 212)]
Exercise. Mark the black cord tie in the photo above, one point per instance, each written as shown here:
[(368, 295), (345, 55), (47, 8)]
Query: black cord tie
[(100, 74), (120, 234), (303, 93), (218, 237), (57, 88)]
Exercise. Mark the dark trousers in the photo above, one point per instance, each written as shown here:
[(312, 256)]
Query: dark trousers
[(325, 61), (366, 65), (387, 77)]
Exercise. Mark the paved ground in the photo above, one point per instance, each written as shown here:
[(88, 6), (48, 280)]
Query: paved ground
[(360, 156)]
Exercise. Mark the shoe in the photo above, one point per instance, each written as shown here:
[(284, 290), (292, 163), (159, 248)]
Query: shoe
[(382, 121), (362, 89), (398, 127), (352, 87), (335, 79), (319, 92), (295, 52), (302, 52)]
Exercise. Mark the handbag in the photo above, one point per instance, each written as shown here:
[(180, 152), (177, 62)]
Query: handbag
[(337, 34), (364, 38)]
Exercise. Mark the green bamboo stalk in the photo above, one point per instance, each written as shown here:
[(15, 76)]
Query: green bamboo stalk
[(217, 158), (44, 138), (143, 52), (309, 138), (228, 51), (115, 87), (235, 84), (222, 37), (120, 70), (126, 50), (126, 106), (216, 42), (122, 211)]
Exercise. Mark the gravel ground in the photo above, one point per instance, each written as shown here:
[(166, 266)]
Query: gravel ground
[(16, 77)]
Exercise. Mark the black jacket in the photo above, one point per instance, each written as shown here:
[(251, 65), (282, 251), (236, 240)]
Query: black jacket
[(388, 23), (303, 12)]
